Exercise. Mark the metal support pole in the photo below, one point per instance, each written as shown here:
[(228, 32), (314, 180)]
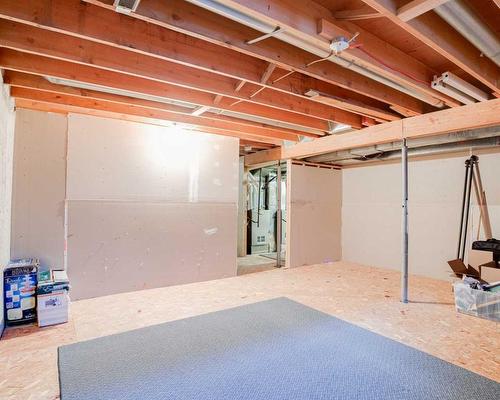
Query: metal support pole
[(278, 216), (404, 223)]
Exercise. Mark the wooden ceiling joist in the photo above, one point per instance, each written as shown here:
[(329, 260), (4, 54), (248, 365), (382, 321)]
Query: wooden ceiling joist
[(127, 116), (194, 21), (417, 7), (33, 64), (33, 82), (301, 19), (356, 14), (147, 112), (69, 48), (430, 29)]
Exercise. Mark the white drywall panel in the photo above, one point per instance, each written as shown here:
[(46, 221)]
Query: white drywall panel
[(39, 187), (148, 206), (371, 212), (121, 160), (314, 215), (124, 246), (7, 123)]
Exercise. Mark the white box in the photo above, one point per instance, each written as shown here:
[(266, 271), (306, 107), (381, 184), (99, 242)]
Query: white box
[(52, 308)]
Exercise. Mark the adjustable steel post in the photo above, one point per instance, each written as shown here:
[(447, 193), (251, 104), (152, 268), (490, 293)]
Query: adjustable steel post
[(404, 223)]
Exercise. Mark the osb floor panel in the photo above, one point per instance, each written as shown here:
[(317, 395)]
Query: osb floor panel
[(367, 297)]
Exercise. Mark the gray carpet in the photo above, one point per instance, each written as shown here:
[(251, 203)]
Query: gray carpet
[(276, 349)]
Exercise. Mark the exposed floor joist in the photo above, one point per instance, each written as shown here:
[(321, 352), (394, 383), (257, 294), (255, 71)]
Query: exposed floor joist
[(33, 64), (437, 34), (34, 40), (194, 21)]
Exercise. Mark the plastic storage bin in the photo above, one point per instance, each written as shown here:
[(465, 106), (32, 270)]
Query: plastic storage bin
[(20, 280), (475, 302)]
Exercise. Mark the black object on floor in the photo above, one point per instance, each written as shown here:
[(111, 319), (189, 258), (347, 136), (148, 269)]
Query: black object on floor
[(276, 349)]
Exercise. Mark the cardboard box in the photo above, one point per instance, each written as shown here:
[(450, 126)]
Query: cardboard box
[(490, 273), (53, 308)]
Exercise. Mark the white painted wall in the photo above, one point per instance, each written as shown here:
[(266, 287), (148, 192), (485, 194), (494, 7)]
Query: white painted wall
[(7, 123), (371, 212), (148, 206), (39, 188), (313, 215)]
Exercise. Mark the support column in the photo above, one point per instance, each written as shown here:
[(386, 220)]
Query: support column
[(278, 216), (404, 224)]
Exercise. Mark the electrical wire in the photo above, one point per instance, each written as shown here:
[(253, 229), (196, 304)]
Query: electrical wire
[(380, 61)]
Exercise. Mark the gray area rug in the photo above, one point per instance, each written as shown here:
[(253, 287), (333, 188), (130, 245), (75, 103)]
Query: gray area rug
[(276, 349)]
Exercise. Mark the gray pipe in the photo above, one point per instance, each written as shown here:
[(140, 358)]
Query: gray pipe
[(461, 17), (427, 150)]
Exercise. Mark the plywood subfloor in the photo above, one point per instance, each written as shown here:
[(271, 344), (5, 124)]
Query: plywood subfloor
[(365, 296)]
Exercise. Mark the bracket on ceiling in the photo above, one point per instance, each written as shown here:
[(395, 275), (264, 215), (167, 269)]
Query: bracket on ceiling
[(276, 30)]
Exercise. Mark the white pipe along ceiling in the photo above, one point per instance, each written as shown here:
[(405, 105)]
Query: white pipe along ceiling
[(459, 15), (320, 49)]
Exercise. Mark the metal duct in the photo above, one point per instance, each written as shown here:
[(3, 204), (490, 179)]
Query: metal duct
[(371, 152), (459, 15), (430, 150), (309, 46)]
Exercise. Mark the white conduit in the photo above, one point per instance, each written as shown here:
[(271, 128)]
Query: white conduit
[(321, 52), (464, 20)]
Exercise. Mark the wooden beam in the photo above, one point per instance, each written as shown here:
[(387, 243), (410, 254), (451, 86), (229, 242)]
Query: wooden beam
[(20, 80), (187, 18), (472, 116), (262, 157), (38, 41), (267, 73), (356, 14), (441, 37), (43, 66), (131, 109), (417, 7)]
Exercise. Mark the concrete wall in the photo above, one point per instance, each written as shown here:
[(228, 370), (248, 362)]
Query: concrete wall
[(39, 187), (7, 123), (143, 206), (371, 212), (313, 216)]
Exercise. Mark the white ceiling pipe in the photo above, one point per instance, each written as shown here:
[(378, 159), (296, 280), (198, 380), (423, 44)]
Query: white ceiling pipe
[(459, 15), (321, 52), (465, 87), (452, 92)]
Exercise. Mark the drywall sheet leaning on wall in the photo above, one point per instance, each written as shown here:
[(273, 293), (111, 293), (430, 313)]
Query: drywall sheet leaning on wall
[(313, 217), (148, 206), (371, 212), (39, 187)]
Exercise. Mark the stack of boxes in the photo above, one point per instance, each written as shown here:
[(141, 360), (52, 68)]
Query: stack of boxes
[(32, 295)]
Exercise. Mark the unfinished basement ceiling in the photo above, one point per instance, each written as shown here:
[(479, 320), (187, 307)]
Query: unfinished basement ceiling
[(263, 71)]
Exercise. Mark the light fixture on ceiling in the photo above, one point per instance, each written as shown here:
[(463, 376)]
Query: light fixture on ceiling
[(458, 89)]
